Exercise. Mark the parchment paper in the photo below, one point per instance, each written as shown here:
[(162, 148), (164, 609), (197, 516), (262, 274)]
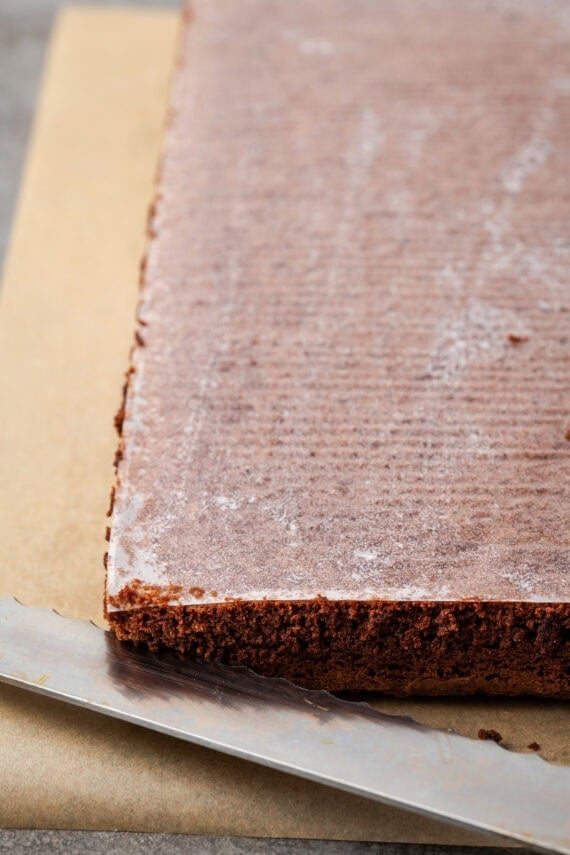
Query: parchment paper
[(66, 323)]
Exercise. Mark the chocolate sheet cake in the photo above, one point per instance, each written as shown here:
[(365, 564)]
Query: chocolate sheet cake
[(344, 440)]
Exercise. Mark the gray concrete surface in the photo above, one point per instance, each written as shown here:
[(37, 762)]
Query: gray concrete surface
[(24, 30), (115, 843)]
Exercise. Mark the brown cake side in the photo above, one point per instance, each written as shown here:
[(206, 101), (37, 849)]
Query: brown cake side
[(344, 447), (400, 648)]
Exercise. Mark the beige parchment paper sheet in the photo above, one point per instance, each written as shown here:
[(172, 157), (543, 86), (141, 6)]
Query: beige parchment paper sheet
[(66, 322)]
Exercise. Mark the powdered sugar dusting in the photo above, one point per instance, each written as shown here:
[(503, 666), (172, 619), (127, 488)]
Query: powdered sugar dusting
[(531, 156), (353, 382)]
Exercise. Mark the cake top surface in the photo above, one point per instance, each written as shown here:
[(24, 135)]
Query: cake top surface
[(352, 370)]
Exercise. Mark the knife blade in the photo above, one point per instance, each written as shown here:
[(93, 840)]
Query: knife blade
[(313, 734)]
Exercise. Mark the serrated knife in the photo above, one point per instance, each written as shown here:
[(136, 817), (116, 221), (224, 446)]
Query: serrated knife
[(308, 733)]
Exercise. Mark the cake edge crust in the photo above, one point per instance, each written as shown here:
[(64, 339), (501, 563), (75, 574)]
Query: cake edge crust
[(393, 647)]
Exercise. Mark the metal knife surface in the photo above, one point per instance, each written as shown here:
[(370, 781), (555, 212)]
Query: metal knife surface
[(308, 733)]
